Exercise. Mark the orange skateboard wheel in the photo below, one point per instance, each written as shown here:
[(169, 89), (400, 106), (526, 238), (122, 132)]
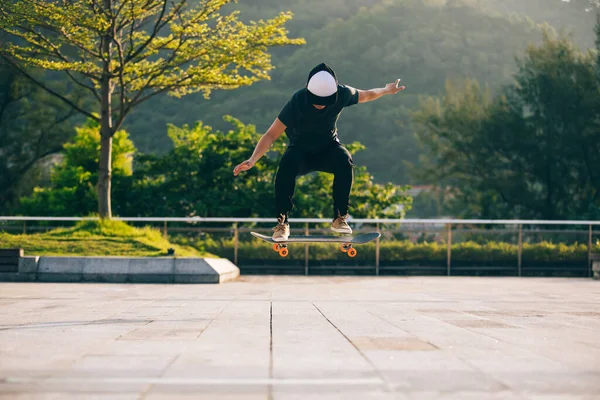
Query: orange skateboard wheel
[(283, 252), (351, 252), (276, 247)]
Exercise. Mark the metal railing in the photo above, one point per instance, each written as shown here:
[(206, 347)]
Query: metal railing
[(444, 228)]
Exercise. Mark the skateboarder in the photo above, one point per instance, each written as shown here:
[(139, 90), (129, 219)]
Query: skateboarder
[(309, 119)]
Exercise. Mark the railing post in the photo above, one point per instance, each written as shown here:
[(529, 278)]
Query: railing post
[(520, 249), (306, 232), (24, 227), (165, 229), (377, 253), (590, 251), (449, 247), (235, 243)]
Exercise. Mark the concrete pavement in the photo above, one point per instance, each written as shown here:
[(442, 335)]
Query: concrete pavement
[(303, 338)]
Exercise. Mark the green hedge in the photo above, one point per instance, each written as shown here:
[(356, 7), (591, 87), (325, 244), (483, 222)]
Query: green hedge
[(402, 252)]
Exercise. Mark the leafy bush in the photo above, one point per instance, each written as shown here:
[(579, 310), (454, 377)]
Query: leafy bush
[(490, 251), (546, 251), (500, 253), (195, 179)]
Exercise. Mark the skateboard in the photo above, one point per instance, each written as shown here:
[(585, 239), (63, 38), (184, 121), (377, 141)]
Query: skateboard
[(346, 241)]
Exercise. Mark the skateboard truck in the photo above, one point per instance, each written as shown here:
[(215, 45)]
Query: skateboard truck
[(347, 248), (281, 249)]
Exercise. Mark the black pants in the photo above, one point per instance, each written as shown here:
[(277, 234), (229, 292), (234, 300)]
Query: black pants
[(295, 162)]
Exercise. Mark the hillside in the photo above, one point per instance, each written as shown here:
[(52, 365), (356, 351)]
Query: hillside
[(368, 43)]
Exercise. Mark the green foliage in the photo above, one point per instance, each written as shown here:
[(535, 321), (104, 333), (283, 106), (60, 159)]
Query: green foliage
[(124, 53), (408, 251), (403, 252), (368, 44), (107, 228), (33, 127), (528, 153), (484, 252), (554, 252), (73, 180), (99, 238), (575, 17), (195, 179), (84, 150), (364, 40), (190, 47)]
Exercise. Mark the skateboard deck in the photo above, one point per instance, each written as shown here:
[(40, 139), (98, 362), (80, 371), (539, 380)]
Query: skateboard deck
[(346, 241)]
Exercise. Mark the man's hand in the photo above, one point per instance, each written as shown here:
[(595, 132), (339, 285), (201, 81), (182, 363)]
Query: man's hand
[(245, 166), (394, 87), (277, 128)]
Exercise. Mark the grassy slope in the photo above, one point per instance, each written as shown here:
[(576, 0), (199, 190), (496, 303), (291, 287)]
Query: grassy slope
[(98, 238)]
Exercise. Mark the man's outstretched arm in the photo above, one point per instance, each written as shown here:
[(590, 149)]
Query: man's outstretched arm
[(373, 94), (264, 144)]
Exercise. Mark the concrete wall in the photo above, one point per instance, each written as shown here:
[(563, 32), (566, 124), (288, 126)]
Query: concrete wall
[(124, 269)]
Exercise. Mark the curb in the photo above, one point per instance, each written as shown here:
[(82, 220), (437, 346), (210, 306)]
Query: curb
[(123, 270)]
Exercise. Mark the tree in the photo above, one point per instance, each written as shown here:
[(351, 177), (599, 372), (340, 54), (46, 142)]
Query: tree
[(531, 152), (33, 126), (74, 178), (124, 52)]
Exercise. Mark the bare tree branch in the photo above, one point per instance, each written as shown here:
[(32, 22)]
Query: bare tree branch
[(83, 85), (64, 118), (157, 27), (133, 53), (60, 56), (49, 90)]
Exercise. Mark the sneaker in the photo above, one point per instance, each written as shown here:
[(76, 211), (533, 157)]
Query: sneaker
[(281, 232), (339, 225)]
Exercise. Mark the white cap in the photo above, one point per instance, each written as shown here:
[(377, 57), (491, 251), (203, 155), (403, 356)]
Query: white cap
[(322, 84)]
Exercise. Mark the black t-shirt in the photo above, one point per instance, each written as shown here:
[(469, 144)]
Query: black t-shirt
[(312, 129)]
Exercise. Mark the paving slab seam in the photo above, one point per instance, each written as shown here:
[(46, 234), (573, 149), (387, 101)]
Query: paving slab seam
[(115, 315), (402, 329), (499, 381), (162, 373), (149, 321), (386, 384)]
